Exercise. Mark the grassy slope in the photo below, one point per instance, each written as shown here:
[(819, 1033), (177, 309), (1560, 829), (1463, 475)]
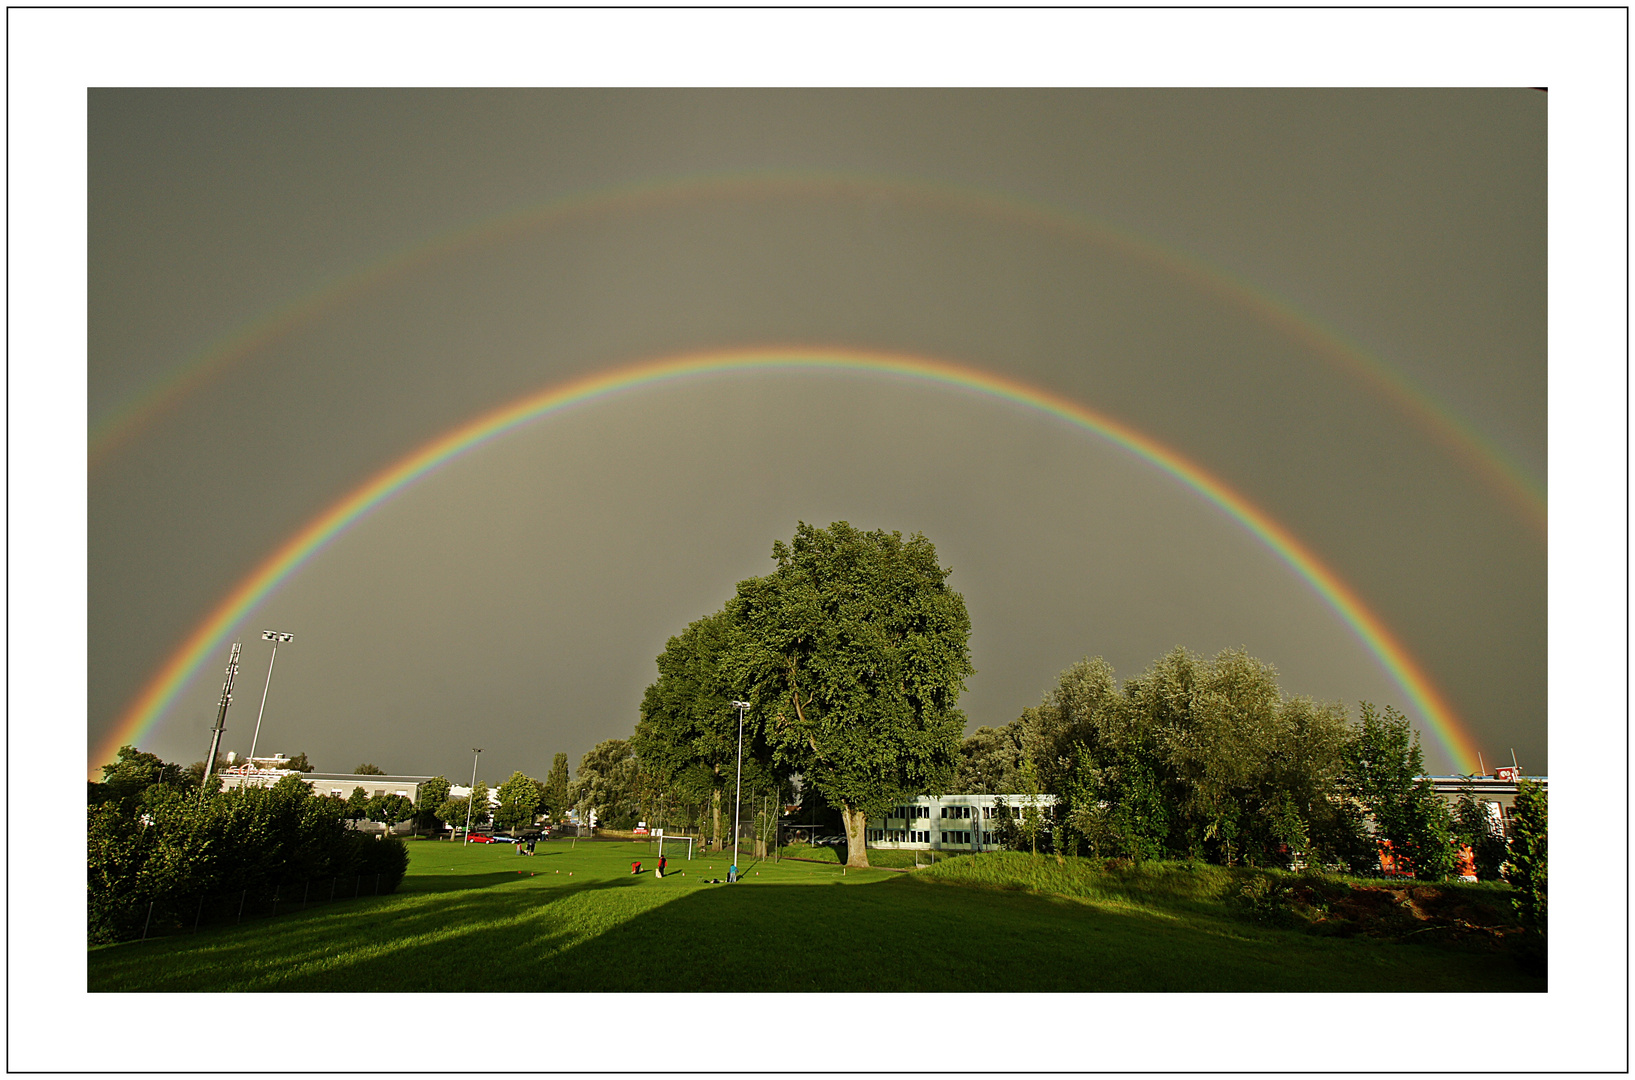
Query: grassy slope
[(465, 919)]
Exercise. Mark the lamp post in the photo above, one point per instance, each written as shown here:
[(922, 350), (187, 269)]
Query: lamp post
[(738, 795), (472, 795), (276, 638)]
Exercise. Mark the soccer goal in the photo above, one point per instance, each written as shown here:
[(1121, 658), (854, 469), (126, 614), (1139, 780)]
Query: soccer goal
[(660, 839)]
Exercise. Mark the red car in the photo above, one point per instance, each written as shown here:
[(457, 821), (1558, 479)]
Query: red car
[(480, 838)]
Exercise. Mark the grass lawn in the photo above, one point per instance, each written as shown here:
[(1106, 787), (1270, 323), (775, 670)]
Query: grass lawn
[(574, 918)]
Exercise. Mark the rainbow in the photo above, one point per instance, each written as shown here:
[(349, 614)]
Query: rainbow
[(157, 696), (1502, 475)]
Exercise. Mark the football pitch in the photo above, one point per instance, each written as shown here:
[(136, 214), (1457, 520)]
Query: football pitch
[(573, 918)]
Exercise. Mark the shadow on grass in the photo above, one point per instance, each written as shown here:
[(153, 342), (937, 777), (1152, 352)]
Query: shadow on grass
[(430, 940), (895, 934), (416, 884), (898, 935)]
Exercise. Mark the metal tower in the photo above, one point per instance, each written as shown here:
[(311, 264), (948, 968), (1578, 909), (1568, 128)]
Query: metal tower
[(221, 715)]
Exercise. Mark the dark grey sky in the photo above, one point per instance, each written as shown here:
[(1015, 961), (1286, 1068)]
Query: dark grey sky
[(516, 599)]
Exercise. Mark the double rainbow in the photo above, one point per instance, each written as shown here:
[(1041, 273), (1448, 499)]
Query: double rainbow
[(1484, 458), (161, 691)]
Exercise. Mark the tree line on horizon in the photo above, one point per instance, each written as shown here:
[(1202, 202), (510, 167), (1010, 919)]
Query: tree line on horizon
[(851, 656)]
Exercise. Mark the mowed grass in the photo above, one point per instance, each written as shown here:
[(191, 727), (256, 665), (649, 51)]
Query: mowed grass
[(574, 918)]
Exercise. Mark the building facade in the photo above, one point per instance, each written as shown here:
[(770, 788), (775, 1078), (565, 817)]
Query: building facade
[(337, 784), (947, 822)]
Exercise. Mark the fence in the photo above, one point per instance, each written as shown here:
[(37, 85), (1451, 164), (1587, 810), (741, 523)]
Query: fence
[(187, 915)]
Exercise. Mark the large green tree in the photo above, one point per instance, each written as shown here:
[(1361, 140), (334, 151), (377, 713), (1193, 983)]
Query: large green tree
[(519, 798), (608, 782), (853, 653)]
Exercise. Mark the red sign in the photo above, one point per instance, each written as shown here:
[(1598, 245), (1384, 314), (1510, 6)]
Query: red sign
[(1505, 774)]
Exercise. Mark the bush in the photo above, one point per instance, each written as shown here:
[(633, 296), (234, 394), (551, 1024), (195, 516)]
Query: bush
[(172, 843)]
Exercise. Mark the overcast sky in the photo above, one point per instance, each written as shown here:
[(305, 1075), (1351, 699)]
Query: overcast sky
[(516, 599)]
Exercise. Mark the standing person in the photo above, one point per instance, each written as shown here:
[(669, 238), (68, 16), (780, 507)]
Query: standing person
[(660, 871), (519, 847)]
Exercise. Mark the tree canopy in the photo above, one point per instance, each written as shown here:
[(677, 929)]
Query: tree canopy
[(519, 797), (608, 782), (853, 653)]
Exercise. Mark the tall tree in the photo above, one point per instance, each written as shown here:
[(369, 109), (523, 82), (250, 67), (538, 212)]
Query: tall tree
[(1530, 854), (1385, 772), (608, 781), (555, 796), (519, 797), (299, 763), (854, 652), (368, 770), (687, 737)]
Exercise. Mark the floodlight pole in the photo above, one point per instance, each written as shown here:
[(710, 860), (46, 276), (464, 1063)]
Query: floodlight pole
[(472, 794), (738, 795), (275, 637)]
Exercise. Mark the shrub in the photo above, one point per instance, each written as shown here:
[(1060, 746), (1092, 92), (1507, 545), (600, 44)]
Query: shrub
[(174, 844)]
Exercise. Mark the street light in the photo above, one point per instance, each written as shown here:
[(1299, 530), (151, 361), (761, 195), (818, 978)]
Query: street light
[(472, 795), (738, 795), (275, 637)]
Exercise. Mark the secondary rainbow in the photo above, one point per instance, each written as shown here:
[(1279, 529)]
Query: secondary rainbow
[(205, 641), (1483, 456)]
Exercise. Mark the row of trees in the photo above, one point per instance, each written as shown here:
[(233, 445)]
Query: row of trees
[(156, 835), (1207, 759), (850, 657)]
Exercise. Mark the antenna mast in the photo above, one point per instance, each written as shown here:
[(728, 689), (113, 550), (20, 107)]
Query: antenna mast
[(221, 716)]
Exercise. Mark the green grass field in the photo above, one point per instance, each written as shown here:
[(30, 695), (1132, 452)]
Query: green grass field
[(481, 918)]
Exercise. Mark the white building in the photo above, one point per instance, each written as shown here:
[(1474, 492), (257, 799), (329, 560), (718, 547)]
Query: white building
[(338, 784), (946, 822)]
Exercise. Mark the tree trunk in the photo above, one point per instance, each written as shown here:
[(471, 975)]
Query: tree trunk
[(715, 820), (857, 852)]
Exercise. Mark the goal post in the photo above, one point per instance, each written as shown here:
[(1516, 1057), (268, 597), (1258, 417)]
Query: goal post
[(660, 839)]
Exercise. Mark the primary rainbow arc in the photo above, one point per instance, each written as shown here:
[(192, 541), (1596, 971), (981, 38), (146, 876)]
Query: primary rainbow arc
[(161, 690)]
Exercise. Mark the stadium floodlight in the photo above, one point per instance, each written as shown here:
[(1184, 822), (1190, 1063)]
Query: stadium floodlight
[(276, 638), (471, 796), (738, 795)]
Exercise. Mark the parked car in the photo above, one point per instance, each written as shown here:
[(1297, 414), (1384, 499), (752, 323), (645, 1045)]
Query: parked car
[(501, 838), (480, 838)]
